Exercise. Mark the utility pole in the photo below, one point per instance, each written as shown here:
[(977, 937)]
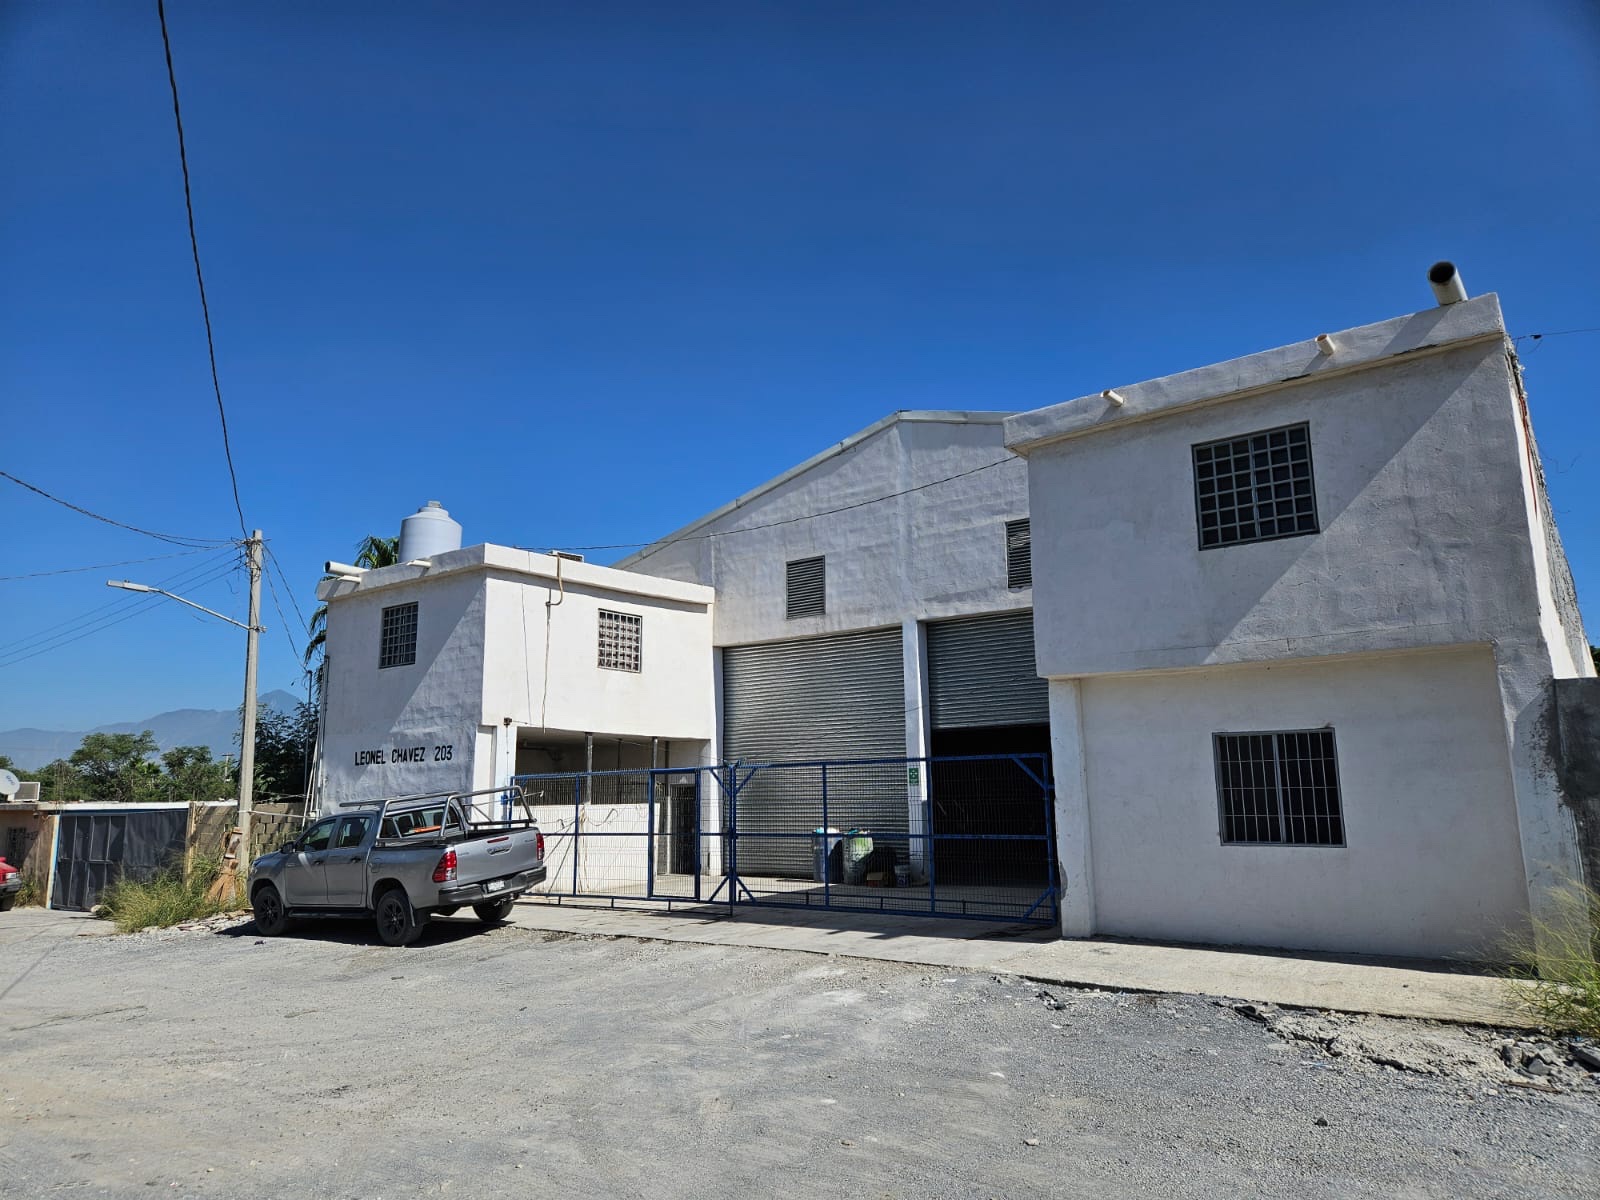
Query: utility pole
[(247, 735)]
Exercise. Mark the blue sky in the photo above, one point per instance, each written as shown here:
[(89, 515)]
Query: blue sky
[(585, 271)]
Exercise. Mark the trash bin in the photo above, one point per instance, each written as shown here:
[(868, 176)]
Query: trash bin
[(857, 847), (825, 857)]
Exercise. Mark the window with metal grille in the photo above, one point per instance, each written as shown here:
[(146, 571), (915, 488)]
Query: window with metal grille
[(1255, 488), (621, 635), (807, 587), (1279, 788), (1019, 555), (397, 644)]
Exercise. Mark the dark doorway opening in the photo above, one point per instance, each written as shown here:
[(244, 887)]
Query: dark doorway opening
[(995, 798), (684, 834)]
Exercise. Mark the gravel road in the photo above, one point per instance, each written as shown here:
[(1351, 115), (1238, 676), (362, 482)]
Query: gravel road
[(506, 1062)]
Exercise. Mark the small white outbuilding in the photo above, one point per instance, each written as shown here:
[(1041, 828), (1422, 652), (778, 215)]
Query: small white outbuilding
[(465, 668)]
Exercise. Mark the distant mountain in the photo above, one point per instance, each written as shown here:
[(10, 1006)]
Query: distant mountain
[(213, 727)]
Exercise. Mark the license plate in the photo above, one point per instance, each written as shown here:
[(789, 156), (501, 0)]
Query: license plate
[(494, 885)]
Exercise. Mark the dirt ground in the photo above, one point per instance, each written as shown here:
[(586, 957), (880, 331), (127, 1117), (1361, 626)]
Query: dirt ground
[(214, 1063)]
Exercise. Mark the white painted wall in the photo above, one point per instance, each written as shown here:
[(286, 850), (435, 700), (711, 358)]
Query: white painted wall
[(540, 638), (1432, 864), (372, 713), (933, 553), (1423, 542), (489, 648)]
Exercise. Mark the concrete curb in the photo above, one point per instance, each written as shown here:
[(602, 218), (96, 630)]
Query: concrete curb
[(1425, 991)]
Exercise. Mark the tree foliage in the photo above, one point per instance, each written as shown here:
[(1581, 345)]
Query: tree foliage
[(194, 776), (128, 768), (284, 743), (115, 768), (372, 552)]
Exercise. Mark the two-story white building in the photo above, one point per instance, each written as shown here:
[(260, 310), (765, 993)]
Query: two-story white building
[(463, 668), (1300, 613)]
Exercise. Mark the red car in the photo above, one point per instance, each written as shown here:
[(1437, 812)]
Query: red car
[(10, 884)]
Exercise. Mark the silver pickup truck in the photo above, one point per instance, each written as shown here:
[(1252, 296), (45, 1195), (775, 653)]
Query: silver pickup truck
[(398, 862)]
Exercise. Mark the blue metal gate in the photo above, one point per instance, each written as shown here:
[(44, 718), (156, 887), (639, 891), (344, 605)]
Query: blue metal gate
[(957, 837), (646, 835)]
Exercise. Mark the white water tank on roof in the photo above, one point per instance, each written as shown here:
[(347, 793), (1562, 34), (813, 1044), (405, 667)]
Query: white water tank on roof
[(427, 532)]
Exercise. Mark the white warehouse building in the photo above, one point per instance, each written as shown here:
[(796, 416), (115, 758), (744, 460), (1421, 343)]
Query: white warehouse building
[(1283, 630)]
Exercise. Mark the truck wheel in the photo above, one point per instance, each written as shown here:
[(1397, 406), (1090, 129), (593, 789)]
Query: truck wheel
[(271, 918), (7, 902), (397, 920), (493, 912)]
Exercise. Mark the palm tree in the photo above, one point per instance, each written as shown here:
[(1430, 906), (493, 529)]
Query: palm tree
[(373, 552)]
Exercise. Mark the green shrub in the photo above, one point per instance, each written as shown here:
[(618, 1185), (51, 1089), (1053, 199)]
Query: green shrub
[(30, 896), (167, 898), (1562, 988)]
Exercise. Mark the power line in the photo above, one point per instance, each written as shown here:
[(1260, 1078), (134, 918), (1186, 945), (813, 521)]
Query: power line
[(1556, 333), (289, 591), (659, 545), (67, 637), (199, 278), (272, 588), (179, 579), (193, 543), (126, 562), (187, 577)]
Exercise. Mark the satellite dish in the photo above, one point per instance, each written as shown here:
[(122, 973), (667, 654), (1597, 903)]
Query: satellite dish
[(10, 785)]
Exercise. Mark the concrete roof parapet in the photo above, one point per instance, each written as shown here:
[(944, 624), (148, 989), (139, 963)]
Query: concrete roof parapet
[(540, 568), (1427, 331)]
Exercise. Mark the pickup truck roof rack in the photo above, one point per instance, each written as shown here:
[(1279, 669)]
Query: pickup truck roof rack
[(511, 791)]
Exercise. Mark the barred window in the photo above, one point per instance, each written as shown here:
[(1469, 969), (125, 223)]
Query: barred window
[(1019, 554), (1255, 488), (397, 644), (807, 583), (621, 635), (1279, 788)]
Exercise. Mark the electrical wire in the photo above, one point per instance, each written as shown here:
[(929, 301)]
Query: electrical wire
[(199, 278), (1556, 333), (193, 543), (656, 547), (176, 580), (126, 562), (187, 577), (272, 559), (76, 635), (294, 651)]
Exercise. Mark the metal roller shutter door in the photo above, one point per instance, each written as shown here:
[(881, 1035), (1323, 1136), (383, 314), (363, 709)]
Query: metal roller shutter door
[(981, 672), (835, 697)]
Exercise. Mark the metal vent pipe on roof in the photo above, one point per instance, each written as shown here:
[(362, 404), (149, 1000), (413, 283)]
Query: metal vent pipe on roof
[(1446, 283)]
